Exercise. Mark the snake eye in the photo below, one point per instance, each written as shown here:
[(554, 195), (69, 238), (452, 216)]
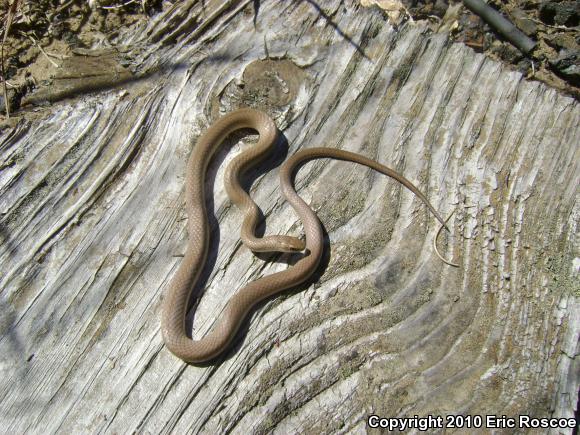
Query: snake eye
[(294, 244)]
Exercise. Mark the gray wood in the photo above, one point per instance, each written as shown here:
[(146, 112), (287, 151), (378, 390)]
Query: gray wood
[(93, 222)]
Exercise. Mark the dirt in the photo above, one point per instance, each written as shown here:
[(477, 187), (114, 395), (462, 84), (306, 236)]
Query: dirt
[(554, 25), (58, 48)]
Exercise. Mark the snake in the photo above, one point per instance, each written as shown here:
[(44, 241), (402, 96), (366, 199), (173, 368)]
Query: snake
[(177, 294)]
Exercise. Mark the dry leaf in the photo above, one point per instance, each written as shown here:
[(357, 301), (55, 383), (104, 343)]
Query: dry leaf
[(393, 8)]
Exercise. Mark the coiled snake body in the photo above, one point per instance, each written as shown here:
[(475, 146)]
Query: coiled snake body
[(175, 301)]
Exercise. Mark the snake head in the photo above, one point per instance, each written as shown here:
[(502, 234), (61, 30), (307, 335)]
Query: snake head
[(289, 244), (274, 244)]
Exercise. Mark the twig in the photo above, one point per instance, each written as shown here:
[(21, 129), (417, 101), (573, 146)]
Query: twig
[(474, 44), (35, 42), (501, 24), (563, 28), (63, 6), (7, 23), (437, 237), (435, 18), (118, 6)]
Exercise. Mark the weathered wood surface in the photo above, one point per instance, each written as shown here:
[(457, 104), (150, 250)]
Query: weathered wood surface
[(93, 223)]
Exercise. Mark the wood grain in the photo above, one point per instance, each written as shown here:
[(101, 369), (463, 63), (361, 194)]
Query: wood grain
[(92, 223)]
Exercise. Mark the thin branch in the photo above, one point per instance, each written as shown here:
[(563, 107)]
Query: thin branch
[(118, 6), (563, 28), (501, 24), (63, 6), (7, 24), (35, 42)]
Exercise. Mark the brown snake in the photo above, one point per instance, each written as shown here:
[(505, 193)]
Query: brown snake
[(176, 297)]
